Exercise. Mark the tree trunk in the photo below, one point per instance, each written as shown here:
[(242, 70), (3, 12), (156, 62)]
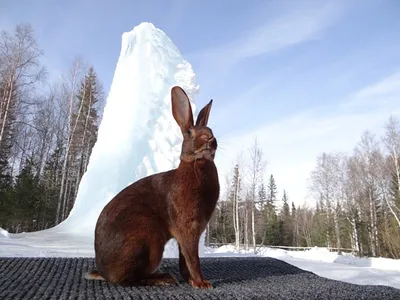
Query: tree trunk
[(397, 171), (61, 199), (253, 231), (337, 232), (246, 227), (236, 223), (7, 108), (83, 146), (372, 229)]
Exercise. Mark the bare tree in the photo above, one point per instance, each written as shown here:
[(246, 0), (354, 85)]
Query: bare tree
[(305, 222), (20, 70), (256, 169), (352, 201), (368, 153), (237, 189), (391, 141), (70, 86), (327, 184)]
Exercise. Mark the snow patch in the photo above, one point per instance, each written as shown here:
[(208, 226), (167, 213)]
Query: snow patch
[(319, 260), (4, 233)]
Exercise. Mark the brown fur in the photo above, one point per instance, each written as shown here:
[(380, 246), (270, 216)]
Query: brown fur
[(135, 225)]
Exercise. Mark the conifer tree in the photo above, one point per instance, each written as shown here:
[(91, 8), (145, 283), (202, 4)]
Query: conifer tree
[(271, 221), (26, 198), (286, 221)]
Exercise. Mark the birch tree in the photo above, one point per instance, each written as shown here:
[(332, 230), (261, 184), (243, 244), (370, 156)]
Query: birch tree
[(391, 141), (353, 205), (256, 170), (70, 86), (327, 184), (20, 71), (367, 151), (237, 188)]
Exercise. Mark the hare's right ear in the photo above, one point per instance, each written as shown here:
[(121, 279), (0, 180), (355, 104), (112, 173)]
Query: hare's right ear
[(181, 109)]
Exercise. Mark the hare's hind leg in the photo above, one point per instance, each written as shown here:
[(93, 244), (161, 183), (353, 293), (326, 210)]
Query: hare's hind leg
[(144, 268)]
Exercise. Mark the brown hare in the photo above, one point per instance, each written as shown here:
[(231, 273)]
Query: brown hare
[(135, 225)]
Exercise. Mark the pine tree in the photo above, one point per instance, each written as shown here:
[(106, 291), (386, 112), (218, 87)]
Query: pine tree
[(285, 206), (262, 196), (26, 197), (270, 236), (286, 223), (51, 180), (295, 227), (272, 191)]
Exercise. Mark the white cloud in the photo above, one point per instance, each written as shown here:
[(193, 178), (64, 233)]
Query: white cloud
[(295, 25), (383, 92), (292, 144)]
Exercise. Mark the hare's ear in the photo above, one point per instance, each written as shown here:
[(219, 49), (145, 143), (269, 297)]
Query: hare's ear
[(181, 109), (202, 118)]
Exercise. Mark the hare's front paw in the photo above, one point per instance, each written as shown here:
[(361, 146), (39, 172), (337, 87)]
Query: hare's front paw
[(204, 284)]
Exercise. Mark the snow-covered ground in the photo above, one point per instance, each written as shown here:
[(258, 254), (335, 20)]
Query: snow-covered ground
[(346, 267)]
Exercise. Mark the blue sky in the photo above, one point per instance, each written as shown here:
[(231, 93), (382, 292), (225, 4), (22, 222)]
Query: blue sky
[(302, 76)]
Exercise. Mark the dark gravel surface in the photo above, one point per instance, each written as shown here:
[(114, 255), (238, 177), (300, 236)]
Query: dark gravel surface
[(232, 277)]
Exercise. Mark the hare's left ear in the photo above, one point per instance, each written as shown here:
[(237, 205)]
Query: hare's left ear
[(181, 109), (202, 118)]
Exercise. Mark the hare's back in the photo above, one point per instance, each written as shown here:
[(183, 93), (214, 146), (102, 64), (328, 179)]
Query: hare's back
[(139, 204)]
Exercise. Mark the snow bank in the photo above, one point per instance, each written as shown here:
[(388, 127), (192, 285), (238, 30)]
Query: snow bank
[(320, 254), (4, 233), (346, 267)]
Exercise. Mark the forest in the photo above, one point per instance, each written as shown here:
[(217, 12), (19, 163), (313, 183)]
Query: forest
[(49, 127), (47, 131), (357, 201)]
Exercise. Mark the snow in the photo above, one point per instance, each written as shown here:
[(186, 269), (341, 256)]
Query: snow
[(345, 267), (137, 135)]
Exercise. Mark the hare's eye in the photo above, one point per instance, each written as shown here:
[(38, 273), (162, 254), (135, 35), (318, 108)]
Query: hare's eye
[(189, 132)]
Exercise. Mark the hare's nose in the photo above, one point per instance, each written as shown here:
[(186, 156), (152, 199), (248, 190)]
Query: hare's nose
[(207, 138)]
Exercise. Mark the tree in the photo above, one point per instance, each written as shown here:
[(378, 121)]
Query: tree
[(70, 90), (261, 218), (286, 221), (391, 141), (262, 196), (26, 198), (295, 220), (84, 124), (20, 70), (327, 184), (272, 191), (257, 166), (270, 217), (236, 189), (368, 154)]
